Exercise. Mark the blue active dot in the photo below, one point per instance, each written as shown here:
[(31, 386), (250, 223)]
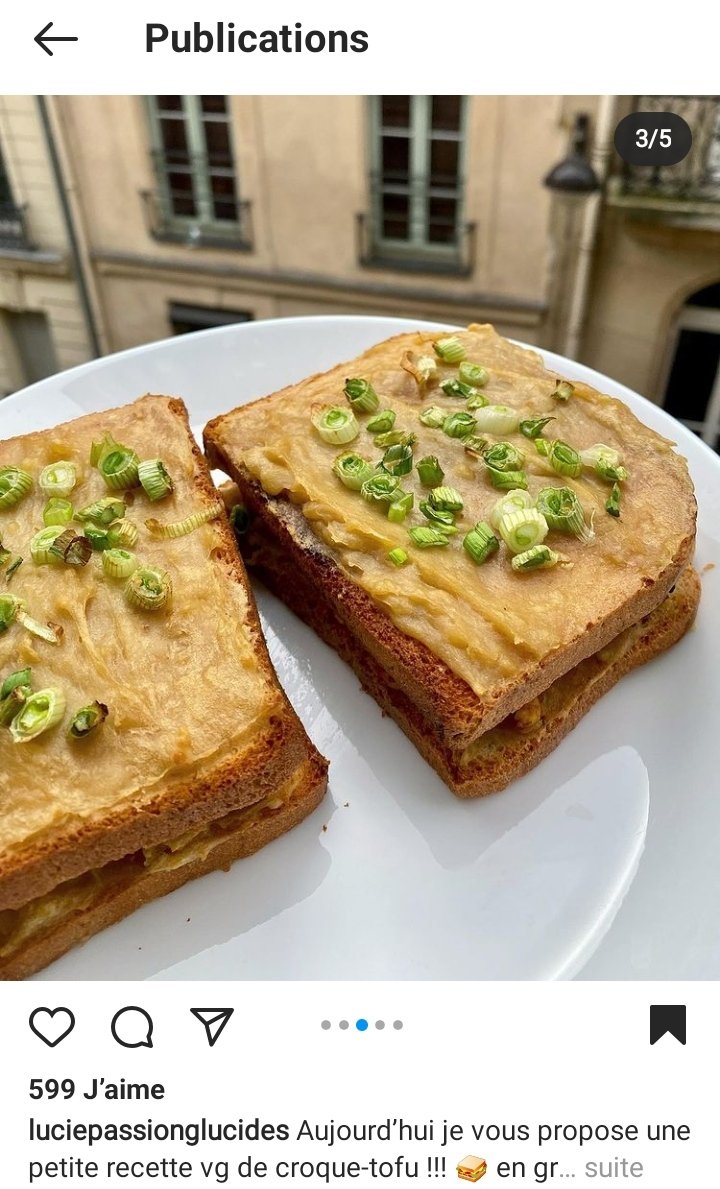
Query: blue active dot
[(361, 1025)]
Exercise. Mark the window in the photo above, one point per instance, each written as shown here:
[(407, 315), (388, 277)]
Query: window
[(692, 392), (195, 168), (185, 319), (5, 194), (12, 229), (417, 150)]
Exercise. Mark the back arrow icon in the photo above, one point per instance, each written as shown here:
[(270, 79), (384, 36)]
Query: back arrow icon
[(42, 39)]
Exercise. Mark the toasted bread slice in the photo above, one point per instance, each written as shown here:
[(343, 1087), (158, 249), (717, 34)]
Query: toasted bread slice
[(198, 726), (466, 646)]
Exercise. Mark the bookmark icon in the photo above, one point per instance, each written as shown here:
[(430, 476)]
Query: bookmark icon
[(213, 1020)]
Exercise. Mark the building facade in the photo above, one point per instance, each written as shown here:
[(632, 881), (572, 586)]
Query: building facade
[(140, 217)]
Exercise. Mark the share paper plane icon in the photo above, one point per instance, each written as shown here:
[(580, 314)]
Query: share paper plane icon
[(213, 1019)]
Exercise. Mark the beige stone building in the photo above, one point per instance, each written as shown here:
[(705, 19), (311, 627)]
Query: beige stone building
[(128, 219)]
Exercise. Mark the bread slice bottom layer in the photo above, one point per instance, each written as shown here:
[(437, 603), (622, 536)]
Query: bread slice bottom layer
[(524, 738), (43, 930)]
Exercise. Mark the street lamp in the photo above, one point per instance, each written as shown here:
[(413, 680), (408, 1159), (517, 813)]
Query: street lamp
[(574, 174)]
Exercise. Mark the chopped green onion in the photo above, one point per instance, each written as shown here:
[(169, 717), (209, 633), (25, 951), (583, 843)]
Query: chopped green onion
[(543, 447), (450, 350), (155, 480), (9, 607), (15, 484), (540, 557), (50, 633), (104, 446), (382, 422), (430, 473), (606, 462), (437, 515), (13, 567), (398, 460), (117, 464), (103, 512), (563, 511), (119, 563), (426, 537), (461, 391), (13, 704), (399, 508), (98, 537), (362, 396), (423, 370), (42, 542), (514, 501), (239, 521), (398, 557), (474, 445), (433, 417), (473, 373), (478, 401), (380, 489), (72, 548), (57, 511), (122, 534), (21, 677), (352, 470), (564, 460), (612, 503), (392, 438), (497, 419), (522, 530), (182, 528), (459, 425), (148, 590), (85, 721), (42, 711), (336, 426), (534, 426), (507, 480), (58, 479), (480, 542), (503, 456), (446, 499), (4, 553), (563, 390)]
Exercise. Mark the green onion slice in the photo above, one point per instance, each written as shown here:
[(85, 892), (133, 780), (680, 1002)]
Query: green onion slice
[(473, 373), (98, 537), (103, 512), (398, 460), (480, 542), (563, 390), (122, 534), (399, 508), (87, 720), (392, 438), (13, 567), (15, 484), (13, 703), (9, 607), (503, 456), (430, 473), (507, 480), (336, 426), (478, 401), (72, 548), (57, 511), (523, 529), (58, 479), (540, 557), (352, 470), (380, 489), (4, 553), (423, 369), (50, 633), (450, 349), (182, 528), (497, 419), (437, 515), (148, 590), (154, 478), (41, 544), (533, 427), (433, 417), (42, 711), (474, 445), (398, 557), (459, 425), (381, 422), (117, 464), (426, 537), (564, 460), (543, 447), (119, 563), (21, 677), (461, 391), (239, 520), (515, 501), (362, 396), (606, 462), (446, 499), (564, 513), (612, 503)]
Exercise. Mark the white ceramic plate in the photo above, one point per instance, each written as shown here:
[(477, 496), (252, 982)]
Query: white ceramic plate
[(609, 848)]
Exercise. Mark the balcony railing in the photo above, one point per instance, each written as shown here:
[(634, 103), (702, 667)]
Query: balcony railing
[(13, 228), (415, 225), (196, 231), (694, 181)]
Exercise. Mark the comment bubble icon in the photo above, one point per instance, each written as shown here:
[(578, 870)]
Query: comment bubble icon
[(132, 1027)]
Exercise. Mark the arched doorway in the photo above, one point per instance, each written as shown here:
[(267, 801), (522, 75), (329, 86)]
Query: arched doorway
[(692, 388)]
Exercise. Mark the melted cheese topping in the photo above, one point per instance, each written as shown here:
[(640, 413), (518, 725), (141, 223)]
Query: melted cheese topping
[(486, 623), (183, 686)]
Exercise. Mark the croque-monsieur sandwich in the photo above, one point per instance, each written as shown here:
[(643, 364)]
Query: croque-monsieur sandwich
[(488, 545), (471, 1168), (144, 739)]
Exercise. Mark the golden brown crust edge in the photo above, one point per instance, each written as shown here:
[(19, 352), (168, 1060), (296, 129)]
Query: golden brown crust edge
[(458, 715), (241, 780), (119, 903)]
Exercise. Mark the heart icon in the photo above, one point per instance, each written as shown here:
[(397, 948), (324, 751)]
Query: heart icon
[(52, 1024)]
